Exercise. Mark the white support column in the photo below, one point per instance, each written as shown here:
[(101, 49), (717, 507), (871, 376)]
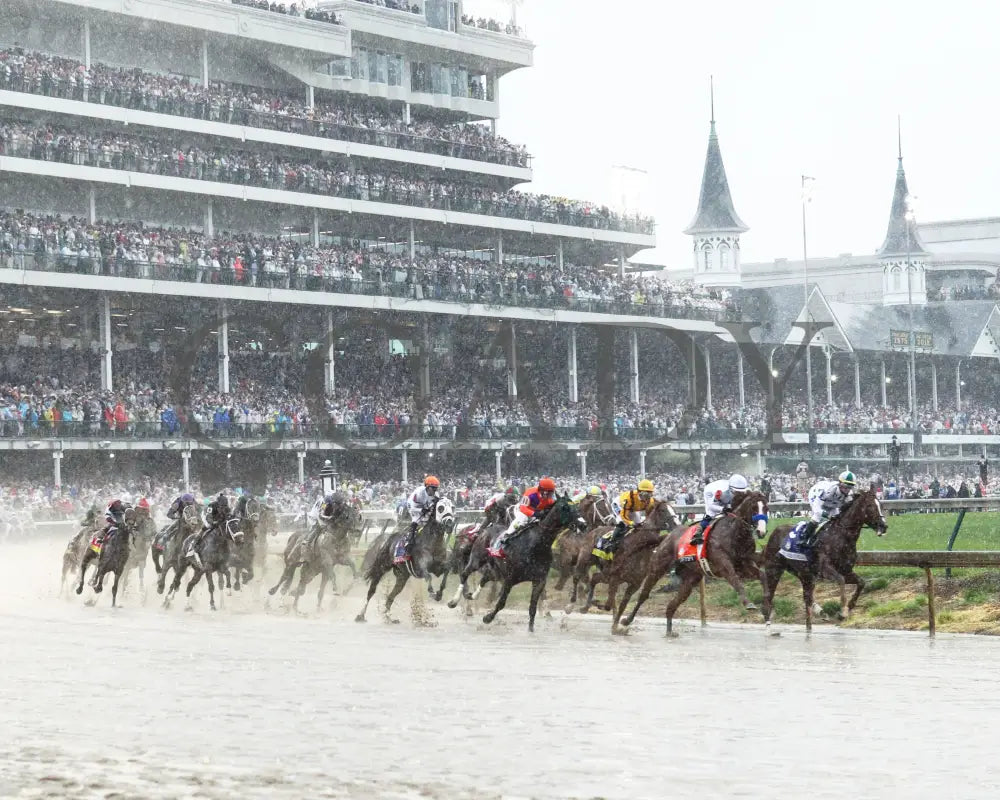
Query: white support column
[(760, 463), (742, 382), (425, 362), (413, 241), (559, 255), (708, 377), (57, 469), (500, 247), (406, 113), (621, 261), (702, 455), (208, 226), (329, 374), (911, 380), (405, 465), (311, 97), (315, 228), (934, 398), (583, 463), (571, 365), (633, 365), (642, 464), (86, 43), (857, 382), (106, 376), (186, 469), (301, 456), (958, 386), (204, 62), (885, 403), (92, 205), (512, 365), (829, 375), (223, 340), (498, 459)]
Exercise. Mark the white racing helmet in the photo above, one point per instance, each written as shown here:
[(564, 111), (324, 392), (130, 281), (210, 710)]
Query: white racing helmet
[(738, 483)]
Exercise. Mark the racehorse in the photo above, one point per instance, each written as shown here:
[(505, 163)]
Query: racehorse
[(145, 530), (112, 556), (266, 525), (471, 554), (631, 562), (169, 544), (528, 557), (331, 548), (728, 553), (833, 556), (74, 552), (596, 512), (214, 550), (428, 556)]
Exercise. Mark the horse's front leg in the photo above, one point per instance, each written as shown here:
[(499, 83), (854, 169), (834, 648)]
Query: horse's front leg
[(859, 584), (724, 568), (114, 589), (83, 570), (502, 601)]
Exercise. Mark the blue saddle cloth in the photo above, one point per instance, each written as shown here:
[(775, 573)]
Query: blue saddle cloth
[(792, 548)]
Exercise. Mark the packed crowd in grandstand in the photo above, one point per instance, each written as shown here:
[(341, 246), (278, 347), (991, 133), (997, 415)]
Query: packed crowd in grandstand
[(351, 120)]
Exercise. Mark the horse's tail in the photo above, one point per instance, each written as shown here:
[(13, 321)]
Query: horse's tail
[(374, 556)]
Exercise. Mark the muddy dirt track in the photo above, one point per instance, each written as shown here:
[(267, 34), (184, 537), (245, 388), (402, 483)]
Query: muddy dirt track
[(256, 702)]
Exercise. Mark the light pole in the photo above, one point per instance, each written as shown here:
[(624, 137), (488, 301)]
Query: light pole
[(912, 382), (805, 298)]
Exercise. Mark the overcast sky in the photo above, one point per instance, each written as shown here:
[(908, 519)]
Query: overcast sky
[(800, 87)]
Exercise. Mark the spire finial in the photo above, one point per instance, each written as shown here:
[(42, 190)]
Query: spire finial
[(711, 93), (899, 137)]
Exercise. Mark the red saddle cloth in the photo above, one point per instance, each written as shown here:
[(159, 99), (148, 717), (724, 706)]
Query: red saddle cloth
[(469, 532), (687, 552)]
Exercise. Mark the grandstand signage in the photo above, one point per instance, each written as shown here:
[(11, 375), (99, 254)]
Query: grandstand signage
[(900, 340)]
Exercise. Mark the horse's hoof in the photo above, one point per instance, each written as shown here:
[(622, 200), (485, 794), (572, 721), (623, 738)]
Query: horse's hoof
[(452, 603), (360, 618), (212, 606), (488, 618), (618, 630), (437, 597), (79, 590), (606, 607), (392, 621), (569, 609), (672, 634)]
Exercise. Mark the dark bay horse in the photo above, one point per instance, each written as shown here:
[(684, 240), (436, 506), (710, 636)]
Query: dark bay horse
[(74, 552), (331, 548), (214, 551), (113, 557), (471, 553), (729, 550), (169, 544), (597, 513), (833, 558), (631, 562), (529, 557), (429, 556)]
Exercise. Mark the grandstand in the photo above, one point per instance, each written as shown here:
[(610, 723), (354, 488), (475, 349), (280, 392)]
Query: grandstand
[(256, 230)]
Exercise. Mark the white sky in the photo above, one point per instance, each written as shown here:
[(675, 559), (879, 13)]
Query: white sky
[(800, 87)]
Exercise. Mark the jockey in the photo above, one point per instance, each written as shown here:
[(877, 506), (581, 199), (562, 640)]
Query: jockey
[(826, 500), (633, 506), (334, 505), (496, 507), (114, 517), (720, 497), (179, 504), (594, 491), (420, 505), (534, 503), (216, 515)]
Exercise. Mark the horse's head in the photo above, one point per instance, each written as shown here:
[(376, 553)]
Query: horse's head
[(865, 509), (251, 510), (234, 530), (596, 510), (753, 511), (563, 514), (444, 513), (663, 517)]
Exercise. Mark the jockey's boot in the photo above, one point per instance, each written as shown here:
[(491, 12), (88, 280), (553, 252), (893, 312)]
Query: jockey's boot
[(192, 550), (699, 535), (616, 537), (808, 537)]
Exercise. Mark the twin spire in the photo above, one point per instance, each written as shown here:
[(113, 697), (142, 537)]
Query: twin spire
[(902, 236), (715, 205)]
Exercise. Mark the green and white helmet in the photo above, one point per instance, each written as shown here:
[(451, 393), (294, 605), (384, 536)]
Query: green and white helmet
[(847, 478)]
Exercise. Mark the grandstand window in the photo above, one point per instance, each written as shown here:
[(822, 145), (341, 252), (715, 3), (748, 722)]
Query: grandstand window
[(439, 83), (725, 257), (394, 69), (897, 279)]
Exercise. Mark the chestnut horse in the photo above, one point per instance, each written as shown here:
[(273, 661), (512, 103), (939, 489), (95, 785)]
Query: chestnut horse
[(729, 551), (833, 557)]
